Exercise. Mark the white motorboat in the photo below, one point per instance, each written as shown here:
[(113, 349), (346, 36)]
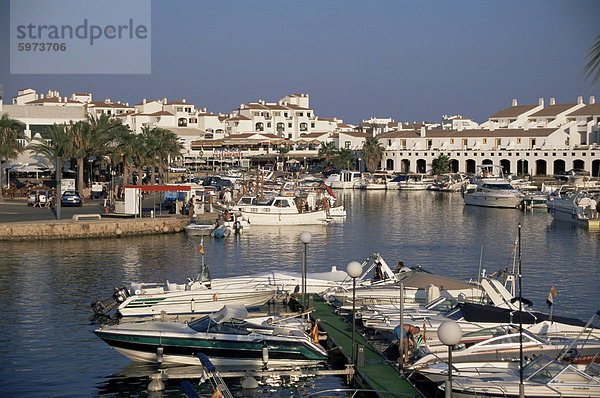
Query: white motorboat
[(316, 282), (199, 228), (415, 181), (227, 338), (196, 296), (374, 181), (570, 204), (419, 287), (346, 179), (502, 343), (450, 182), (281, 210), (542, 377), (491, 189)]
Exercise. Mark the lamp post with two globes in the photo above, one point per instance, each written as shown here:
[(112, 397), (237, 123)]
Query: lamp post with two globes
[(353, 269)]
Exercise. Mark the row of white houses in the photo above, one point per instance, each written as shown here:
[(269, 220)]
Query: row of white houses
[(533, 139)]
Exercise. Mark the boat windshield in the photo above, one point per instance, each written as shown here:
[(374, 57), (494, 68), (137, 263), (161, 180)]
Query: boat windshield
[(498, 186), (542, 370), (207, 325), (442, 304)]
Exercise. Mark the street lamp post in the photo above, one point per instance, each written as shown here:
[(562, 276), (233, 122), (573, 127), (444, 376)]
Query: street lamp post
[(353, 269), (305, 238), (359, 159), (449, 334), (91, 163)]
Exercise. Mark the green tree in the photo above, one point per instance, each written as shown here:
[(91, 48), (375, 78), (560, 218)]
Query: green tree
[(372, 153), (592, 68), (328, 151), (57, 146), (344, 158), (440, 165), (159, 145), (125, 149), (11, 131)]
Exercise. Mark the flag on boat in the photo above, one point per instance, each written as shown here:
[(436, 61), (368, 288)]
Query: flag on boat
[(551, 297), (315, 334), (201, 249), (216, 394)]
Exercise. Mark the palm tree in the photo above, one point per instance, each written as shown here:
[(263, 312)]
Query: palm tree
[(372, 153), (159, 145), (328, 151), (593, 66), (344, 158), (57, 146), (125, 147), (106, 134), (11, 131), (82, 141), (440, 165)]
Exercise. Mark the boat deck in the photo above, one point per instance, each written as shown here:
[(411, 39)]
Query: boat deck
[(377, 372)]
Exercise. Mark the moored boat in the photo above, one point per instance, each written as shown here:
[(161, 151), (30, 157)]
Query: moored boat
[(491, 189), (226, 337), (542, 377), (280, 210)]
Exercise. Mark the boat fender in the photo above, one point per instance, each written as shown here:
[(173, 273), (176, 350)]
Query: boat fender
[(265, 354), (159, 354), (249, 383)]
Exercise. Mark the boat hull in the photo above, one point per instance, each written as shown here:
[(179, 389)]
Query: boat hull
[(268, 218), (192, 302), (241, 351), (492, 200)]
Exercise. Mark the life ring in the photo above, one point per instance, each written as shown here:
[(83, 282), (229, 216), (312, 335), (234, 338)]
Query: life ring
[(201, 153)]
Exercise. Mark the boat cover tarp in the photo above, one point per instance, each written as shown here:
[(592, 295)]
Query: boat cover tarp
[(487, 313), (420, 279), (229, 311)]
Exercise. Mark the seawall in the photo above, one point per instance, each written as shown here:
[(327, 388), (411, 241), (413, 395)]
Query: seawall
[(86, 228)]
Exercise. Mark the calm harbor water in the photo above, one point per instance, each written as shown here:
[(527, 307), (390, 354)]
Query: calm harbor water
[(46, 339)]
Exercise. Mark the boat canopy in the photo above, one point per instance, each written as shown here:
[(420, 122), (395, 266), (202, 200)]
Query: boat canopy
[(420, 279), (228, 312), (472, 312)]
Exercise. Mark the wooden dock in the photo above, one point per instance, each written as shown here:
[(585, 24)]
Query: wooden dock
[(377, 373)]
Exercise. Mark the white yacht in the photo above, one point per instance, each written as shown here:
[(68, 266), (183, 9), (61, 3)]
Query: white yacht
[(571, 204), (281, 210), (346, 179), (491, 189), (416, 182)]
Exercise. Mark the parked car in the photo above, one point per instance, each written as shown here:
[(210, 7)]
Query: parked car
[(35, 196), (70, 198)]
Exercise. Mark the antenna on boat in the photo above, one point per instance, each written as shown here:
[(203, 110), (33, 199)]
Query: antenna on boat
[(521, 386), (480, 260)]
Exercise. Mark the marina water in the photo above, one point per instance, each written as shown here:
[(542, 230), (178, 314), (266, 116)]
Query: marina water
[(48, 349)]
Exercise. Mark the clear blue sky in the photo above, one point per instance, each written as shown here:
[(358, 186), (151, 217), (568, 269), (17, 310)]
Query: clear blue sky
[(410, 60)]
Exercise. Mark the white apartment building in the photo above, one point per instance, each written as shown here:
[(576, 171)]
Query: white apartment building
[(523, 139)]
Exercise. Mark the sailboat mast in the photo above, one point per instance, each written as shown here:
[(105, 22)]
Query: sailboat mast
[(521, 386)]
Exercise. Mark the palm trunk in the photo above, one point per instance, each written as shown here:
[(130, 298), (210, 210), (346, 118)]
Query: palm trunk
[(2, 179), (80, 175)]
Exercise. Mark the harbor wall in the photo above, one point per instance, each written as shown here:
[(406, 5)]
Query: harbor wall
[(87, 228)]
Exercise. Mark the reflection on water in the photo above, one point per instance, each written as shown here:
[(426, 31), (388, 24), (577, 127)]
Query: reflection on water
[(46, 287)]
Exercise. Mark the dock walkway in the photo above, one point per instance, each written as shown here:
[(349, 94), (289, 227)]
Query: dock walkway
[(377, 372)]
